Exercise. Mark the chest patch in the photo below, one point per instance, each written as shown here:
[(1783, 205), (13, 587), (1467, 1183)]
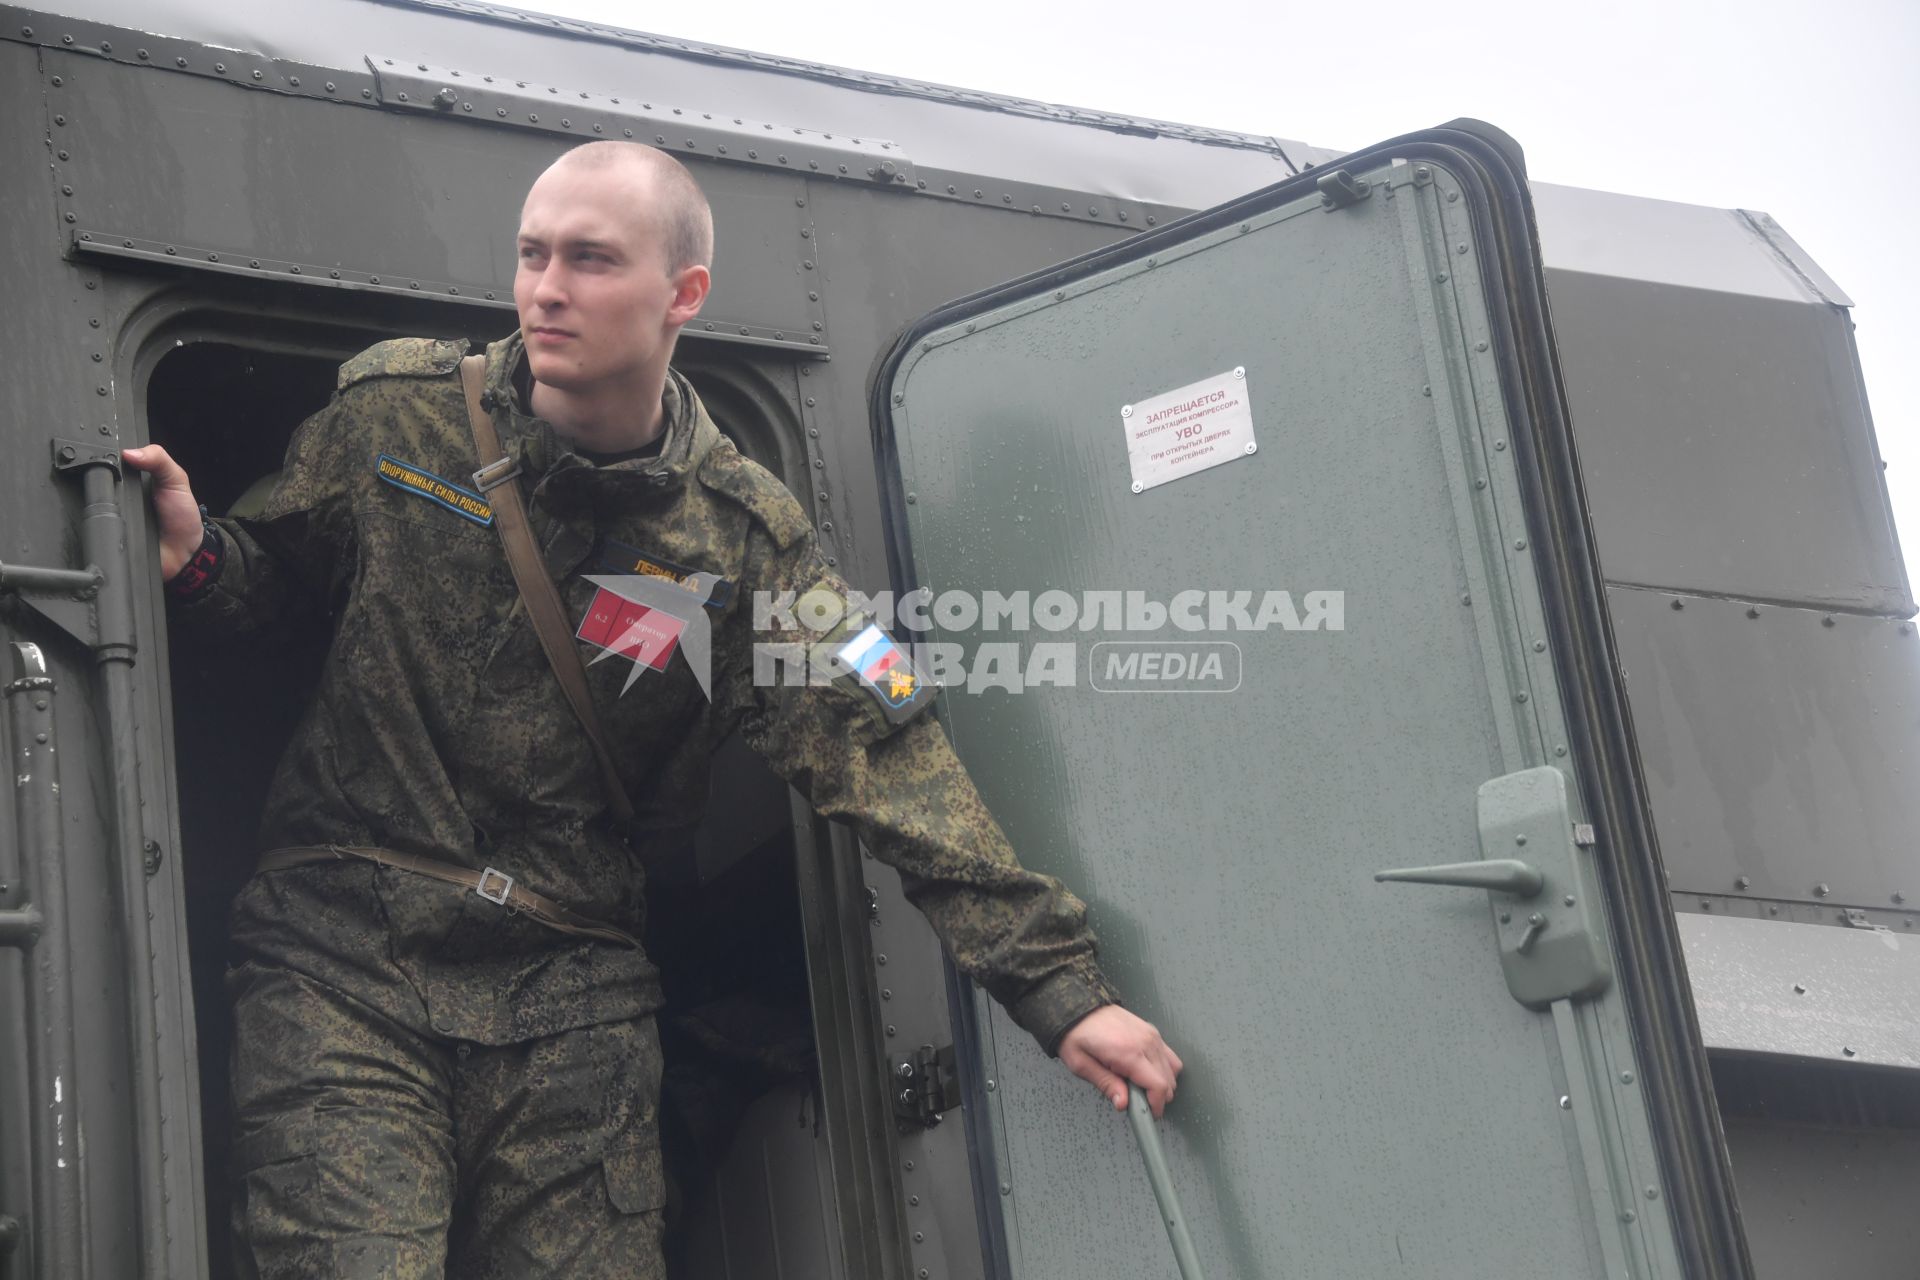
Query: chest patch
[(424, 484), (707, 588), (632, 630)]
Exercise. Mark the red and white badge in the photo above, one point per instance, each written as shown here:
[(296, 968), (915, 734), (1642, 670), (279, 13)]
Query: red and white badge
[(648, 636)]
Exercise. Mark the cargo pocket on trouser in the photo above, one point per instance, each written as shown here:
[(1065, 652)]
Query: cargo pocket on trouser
[(636, 1179), (284, 1227), (274, 1237)]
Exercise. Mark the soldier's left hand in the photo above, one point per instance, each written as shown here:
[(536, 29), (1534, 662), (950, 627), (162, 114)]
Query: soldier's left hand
[(1110, 1047)]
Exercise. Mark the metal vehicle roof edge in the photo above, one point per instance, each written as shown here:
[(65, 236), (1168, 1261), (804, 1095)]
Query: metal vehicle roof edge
[(870, 82), (1796, 259), (364, 85)]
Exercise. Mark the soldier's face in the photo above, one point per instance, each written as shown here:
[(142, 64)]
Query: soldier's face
[(598, 307)]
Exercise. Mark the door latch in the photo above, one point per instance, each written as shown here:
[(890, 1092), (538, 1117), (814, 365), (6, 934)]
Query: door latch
[(1545, 896)]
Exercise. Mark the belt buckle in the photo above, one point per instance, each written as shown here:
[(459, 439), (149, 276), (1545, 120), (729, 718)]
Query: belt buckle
[(496, 473), (496, 896)]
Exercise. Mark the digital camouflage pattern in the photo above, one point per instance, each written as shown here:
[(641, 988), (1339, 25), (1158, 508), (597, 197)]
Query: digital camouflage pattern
[(352, 1154), (439, 729)]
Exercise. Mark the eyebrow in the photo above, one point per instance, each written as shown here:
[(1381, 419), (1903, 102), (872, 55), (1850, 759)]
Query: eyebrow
[(602, 246)]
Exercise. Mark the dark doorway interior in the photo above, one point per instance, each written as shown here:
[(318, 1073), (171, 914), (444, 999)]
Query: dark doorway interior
[(226, 413), (725, 924)]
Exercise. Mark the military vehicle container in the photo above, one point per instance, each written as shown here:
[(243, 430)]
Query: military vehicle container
[(1606, 605)]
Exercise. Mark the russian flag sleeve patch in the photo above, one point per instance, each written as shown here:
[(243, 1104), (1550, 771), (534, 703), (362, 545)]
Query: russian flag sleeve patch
[(884, 673)]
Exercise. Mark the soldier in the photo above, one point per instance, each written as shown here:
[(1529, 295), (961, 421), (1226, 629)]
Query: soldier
[(429, 1081)]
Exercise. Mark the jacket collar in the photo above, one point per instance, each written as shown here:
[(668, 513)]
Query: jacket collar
[(561, 476)]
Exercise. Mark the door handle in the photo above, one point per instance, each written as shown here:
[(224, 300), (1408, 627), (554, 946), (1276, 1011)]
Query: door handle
[(1160, 1178), (1503, 875)]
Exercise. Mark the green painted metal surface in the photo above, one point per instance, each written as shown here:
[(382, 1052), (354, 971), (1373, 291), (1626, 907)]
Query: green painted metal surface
[(1364, 1096)]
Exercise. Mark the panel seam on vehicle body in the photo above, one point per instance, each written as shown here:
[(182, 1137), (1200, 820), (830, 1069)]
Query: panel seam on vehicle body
[(88, 242), (1903, 612)]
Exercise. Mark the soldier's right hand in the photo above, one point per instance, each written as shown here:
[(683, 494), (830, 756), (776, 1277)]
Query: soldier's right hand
[(173, 504)]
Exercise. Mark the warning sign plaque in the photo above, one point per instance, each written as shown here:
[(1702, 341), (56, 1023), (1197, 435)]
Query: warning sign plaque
[(1198, 426)]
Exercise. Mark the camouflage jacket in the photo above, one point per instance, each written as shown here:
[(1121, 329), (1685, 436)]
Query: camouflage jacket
[(439, 729)]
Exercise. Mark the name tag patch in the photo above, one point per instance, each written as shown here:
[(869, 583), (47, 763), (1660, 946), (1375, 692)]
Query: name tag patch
[(648, 636), (711, 589), (424, 484)]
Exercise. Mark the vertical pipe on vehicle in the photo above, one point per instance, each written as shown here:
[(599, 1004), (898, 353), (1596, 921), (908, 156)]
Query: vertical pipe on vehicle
[(103, 541), (53, 1133)]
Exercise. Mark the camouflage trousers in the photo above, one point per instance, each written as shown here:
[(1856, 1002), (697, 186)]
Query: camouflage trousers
[(364, 1149)]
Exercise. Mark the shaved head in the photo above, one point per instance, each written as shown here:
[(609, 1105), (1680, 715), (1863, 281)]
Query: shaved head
[(677, 207), (612, 263)]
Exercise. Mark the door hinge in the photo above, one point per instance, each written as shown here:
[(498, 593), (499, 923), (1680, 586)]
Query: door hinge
[(1340, 189), (925, 1083), (1857, 919)]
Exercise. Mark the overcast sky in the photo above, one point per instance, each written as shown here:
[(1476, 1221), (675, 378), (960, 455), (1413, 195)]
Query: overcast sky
[(1808, 111)]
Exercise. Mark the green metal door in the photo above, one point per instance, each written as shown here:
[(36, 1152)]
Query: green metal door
[(1254, 564)]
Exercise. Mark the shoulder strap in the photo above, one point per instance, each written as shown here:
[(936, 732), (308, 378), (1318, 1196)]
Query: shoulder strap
[(498, 480)]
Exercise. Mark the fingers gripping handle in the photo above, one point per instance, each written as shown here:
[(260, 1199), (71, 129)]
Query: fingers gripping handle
[(1160, 1178)]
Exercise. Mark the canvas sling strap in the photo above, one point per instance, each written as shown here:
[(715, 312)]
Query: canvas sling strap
[(494, 886), (498, 481)]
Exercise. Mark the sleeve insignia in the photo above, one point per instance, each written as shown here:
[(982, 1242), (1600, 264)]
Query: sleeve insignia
[(885, 674)]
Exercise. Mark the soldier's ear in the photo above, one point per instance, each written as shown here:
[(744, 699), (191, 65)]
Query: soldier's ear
[(690, 288)]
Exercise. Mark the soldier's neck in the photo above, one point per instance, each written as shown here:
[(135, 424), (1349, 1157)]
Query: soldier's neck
[(606, 418)]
